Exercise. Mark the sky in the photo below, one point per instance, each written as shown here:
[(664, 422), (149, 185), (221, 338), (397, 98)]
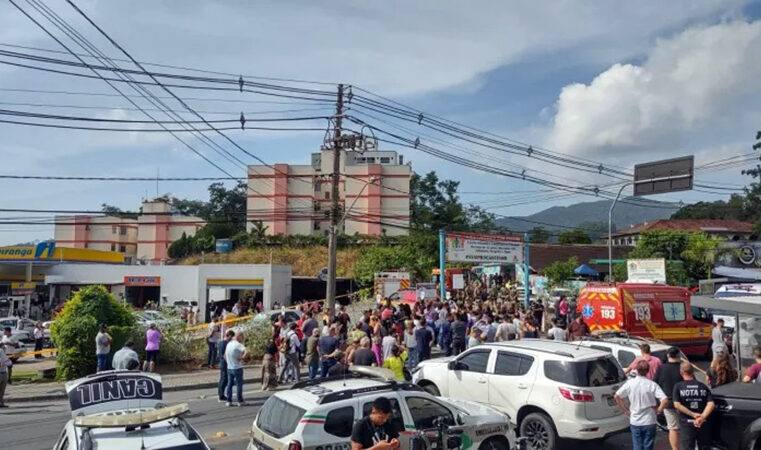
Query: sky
[(609, 82)]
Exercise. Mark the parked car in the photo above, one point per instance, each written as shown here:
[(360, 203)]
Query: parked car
[(21, 329), (550, 389), (146, 317), (106, 418), (320, 414), (736, 421)]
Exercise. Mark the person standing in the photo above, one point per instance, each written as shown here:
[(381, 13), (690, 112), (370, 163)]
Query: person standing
[(221, 348), (667, 376), (269, 368), (364, 356), (717, 339), (152, 338), (5, 365), (557, 333), (445, 334), (537, 310), (578, 329), (395, 362), (327, 345), (563, 309), (506, 330), (695, 404), (126, 358), (459, 334), (644, 396), (424, 338), (753, 373), (410, 343), (312, 356), (213, 334), (291, 353), (235, 353), (653, 362), (721, 371), (39, 338), (387, 345), (102, 347), (307, 327)]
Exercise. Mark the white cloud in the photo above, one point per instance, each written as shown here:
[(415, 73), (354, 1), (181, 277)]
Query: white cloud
[(700, 81)]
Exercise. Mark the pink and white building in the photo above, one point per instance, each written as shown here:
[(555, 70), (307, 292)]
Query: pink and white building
[(145, 239), (295, 199)]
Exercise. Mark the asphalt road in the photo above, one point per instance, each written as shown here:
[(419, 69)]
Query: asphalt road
[(36, 426)]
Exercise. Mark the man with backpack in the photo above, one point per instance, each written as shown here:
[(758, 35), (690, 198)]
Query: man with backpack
[(290, 349)]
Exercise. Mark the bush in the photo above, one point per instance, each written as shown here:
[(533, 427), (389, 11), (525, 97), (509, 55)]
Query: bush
[(177, 345), (256, 333), (77, 324)]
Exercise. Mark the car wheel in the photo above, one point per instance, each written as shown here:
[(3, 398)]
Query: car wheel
[(493, 444), (432, 389), (539, 432)]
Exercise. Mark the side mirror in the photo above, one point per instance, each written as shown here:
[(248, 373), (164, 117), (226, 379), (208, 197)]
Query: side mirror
[(453, 365)]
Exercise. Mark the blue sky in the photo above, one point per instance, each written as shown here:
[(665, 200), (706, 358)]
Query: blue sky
[(613, 82)]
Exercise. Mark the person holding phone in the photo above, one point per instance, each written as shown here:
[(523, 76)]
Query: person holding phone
[(375, 432)]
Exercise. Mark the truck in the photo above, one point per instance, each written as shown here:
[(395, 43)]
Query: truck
[(653, 311), (449, 276), (386, 283)]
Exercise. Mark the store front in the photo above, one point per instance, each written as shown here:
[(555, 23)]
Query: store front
[(141, 290)]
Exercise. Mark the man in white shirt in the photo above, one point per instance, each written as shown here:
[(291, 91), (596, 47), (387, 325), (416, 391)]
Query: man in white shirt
[(235, 353), (5, 364), (39, 338), (506, 331), (292, 352), (126, 358), (717, 339), (9, 341), (644, 396), (557, 333)]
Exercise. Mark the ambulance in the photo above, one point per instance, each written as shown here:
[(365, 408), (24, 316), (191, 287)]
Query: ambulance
[(648, 310)]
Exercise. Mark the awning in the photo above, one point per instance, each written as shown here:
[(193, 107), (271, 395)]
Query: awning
[(586, 271)]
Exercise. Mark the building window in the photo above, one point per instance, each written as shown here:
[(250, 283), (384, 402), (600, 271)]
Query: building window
[(113, 247), (122, 231), (122, 248), (316, 226), (317, 207), (327, 195), (385, 160), (113, 229)]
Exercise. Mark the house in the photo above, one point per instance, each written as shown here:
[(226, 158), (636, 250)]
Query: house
[(729, 230)]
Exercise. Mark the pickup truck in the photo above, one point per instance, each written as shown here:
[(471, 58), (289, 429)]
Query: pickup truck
[(736, 421)]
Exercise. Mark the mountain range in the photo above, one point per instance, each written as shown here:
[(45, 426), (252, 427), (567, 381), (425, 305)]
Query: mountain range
[(592, 216)]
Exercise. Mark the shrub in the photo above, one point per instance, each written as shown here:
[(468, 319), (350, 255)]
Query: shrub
[(77, 324), (177, 345)]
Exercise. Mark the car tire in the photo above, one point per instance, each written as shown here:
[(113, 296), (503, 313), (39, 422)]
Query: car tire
[(493, 444), (432, 389), (539, 431)]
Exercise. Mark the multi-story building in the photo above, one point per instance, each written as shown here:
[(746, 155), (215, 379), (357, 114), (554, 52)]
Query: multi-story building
[(158, 227), (730, 230), (144, 239), (295, 199), (109, 233)]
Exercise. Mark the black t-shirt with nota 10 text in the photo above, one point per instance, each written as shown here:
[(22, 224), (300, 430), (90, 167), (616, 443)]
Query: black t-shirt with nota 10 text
[(368, 434), (693, 395)]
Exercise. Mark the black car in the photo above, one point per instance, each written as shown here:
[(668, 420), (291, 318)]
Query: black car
[(736, 421)]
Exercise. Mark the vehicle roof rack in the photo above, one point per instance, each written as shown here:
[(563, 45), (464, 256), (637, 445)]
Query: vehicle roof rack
[(537, 349)]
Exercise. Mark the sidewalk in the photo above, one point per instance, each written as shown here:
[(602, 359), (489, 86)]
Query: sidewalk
[(196, 379)]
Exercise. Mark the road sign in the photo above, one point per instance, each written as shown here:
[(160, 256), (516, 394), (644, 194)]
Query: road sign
[(668, 175)]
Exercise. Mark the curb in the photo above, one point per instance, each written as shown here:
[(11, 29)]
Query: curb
[(62, 395)]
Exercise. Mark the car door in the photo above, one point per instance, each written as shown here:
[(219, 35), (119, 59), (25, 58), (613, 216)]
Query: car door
[(512, 381), (424, 412), (398, 419), (468, 378)]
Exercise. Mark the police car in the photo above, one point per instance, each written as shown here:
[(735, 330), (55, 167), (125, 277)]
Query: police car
[(320, 415), (123, 409)]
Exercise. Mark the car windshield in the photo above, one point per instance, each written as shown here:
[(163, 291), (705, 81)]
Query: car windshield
[(8, 323), (278, 418), (590, 373)]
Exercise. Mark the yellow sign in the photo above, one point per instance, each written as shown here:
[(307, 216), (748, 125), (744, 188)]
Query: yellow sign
[(48, 252), (234, 282), (23, 288)]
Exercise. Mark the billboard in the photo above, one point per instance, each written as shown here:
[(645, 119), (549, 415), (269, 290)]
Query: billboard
[(23, 288), (646, 270), (484, 248)]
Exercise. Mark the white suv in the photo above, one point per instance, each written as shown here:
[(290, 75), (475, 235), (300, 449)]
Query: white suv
[(549, 389), (320, 415), (626, 348)]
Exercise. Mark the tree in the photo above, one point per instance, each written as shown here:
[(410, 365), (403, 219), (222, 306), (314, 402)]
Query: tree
[(114, 211), (434, 205), (559, 272), (77, 324), (576, 236), (539, 235)]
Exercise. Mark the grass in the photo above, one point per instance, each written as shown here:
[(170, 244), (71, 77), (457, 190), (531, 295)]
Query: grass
[(304, 261), (27, 376)]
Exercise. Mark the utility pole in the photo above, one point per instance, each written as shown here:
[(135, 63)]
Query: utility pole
[(330, 294)]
